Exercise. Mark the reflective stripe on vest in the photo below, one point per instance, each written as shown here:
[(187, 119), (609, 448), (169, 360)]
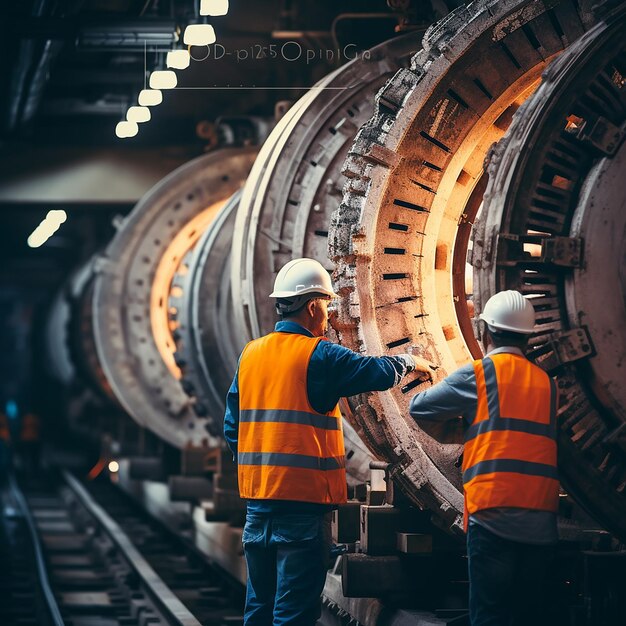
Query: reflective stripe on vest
[(286, 449), (509, 458)]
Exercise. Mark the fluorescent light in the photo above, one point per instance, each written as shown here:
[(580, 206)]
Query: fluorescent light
[(213, 7), (126, 129), (37, 239), (199, 35), (150, 97), (163, 79), (178, 59), (138, 114), (56, 216), (48, 226)]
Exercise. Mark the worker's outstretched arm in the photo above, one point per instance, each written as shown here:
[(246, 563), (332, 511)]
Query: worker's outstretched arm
[(453, 397), (336, 371)]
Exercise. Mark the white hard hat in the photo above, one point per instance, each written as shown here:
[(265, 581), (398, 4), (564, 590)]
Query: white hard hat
[(300, 277), (298, 282), (509, 311)]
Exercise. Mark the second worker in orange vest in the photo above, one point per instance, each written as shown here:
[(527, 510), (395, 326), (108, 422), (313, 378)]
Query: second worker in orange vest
[(509, 465), (5, 447), (283, 426), (5, 433)]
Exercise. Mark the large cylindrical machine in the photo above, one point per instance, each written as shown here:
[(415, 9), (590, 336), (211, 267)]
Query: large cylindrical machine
[(283, 212), (209, 339), (416, 179), (132, 321), (296, 181), (554, 227), (184, 284)]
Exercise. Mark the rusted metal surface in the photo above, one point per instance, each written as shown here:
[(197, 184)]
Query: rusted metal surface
[(411, 173), (547, 179), (125, 339)]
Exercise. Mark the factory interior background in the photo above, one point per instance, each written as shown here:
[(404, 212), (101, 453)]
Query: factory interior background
[(161, 160)]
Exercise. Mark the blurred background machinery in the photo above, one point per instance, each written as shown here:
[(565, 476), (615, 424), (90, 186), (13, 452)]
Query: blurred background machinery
[(427, 163)]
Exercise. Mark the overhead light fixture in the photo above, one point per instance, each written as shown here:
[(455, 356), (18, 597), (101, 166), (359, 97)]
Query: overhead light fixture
[(150, 97), (213, 7), (56, 216), (163, 79), (38, 237), (47, 227), (126, 129), (138, 114), (178, 59), (199, 35)]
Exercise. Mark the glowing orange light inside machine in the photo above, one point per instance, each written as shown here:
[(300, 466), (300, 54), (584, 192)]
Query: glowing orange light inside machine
[(170, 264)]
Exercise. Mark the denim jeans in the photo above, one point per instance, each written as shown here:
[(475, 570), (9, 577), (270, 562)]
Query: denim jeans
[(287, 557), (507, 580)]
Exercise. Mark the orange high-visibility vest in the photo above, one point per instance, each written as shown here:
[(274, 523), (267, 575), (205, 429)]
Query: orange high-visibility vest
[(30, 428), (510, 457), (5, 433), (286, 449)]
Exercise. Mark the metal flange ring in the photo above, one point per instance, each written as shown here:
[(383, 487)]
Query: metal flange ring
[(131, 293)]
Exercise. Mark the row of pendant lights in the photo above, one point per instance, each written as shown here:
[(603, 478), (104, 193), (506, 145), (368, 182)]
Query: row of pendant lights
[(194, 35)]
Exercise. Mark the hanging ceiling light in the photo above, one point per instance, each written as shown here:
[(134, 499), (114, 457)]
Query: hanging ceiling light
[(213, 7), (126, 129), (150, 97), (138, 114), (56, 216), (163, 79), (199, 35), (178, 59), (48, 226), (41, 234)]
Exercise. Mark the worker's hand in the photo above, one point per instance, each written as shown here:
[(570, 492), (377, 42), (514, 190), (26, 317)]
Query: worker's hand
[(422, 365)]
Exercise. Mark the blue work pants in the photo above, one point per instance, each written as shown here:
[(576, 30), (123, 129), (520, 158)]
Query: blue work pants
[(287, 557), (508, 580)]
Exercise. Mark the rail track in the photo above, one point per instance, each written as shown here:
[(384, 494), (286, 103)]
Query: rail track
[(86, 555)]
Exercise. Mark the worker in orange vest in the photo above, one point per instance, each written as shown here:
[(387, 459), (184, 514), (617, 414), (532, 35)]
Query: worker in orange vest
[(30, 444), (509, 466), (5, 433), (283, 426), (5, 443)]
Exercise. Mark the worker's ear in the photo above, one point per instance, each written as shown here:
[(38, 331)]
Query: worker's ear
[(310, 307)]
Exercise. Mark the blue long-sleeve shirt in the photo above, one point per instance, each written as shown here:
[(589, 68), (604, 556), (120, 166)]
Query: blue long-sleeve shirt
[(334, 372)]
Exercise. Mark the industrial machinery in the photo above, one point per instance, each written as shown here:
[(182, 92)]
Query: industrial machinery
[(428, 174)]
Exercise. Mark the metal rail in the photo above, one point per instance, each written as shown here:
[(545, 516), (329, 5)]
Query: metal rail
[(95, 553), (42, 573), (161, 594)]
